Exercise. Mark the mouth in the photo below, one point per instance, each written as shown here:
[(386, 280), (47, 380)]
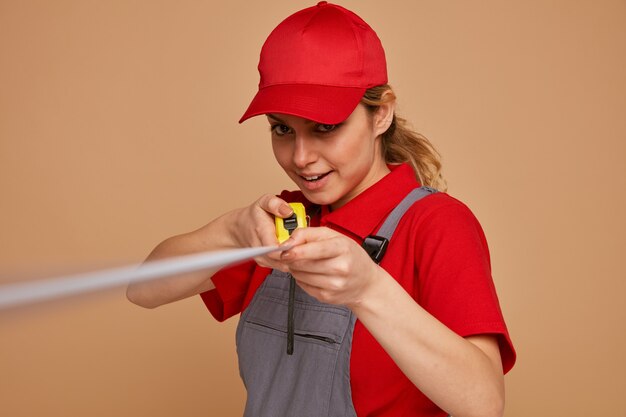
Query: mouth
[(314, 182), (314, 178)]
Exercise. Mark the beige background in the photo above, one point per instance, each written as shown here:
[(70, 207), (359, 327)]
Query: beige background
[(118, 128)]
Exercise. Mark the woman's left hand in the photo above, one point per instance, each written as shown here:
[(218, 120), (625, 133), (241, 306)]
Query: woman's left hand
[(329, 266)]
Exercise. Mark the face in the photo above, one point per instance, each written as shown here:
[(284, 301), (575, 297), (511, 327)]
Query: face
[(331, 164)]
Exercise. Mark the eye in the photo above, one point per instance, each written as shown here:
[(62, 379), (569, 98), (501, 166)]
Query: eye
[(326, 128), (280, 130)]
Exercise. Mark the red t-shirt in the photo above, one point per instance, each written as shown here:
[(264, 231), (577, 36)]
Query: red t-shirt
[(438, 254)]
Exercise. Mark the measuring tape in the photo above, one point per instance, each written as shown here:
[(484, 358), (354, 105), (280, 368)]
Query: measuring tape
[(13, 295)]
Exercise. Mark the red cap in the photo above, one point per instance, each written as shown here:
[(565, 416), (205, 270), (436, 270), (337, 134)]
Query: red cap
[(317, 64)]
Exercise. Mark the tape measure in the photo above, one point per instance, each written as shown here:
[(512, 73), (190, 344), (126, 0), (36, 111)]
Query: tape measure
[(285, 227), (16, 294)]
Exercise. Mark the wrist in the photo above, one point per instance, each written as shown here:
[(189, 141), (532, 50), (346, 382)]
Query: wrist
[(372, 292), (225, 229)]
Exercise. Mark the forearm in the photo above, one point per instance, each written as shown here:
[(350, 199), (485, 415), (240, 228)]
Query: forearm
[(245, 227), (213, 236), (453, 372)]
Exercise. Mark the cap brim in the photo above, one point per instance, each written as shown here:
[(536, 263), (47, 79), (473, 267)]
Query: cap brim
[(320, 103)]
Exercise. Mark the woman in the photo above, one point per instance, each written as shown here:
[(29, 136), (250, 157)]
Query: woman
[(412, 332)]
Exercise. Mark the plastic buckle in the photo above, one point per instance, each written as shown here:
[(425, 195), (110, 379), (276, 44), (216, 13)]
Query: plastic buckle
[(291, 223), (375, 246)]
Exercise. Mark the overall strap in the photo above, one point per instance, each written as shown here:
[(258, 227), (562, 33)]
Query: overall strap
[(376, 245)]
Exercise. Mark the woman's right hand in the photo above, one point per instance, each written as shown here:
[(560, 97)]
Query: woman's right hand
[(256, 227)]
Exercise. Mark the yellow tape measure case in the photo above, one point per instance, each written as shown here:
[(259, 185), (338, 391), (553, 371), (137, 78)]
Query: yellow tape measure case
[(285, 227)]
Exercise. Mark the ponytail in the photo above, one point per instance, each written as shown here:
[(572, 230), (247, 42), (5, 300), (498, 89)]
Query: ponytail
[(402, 144)]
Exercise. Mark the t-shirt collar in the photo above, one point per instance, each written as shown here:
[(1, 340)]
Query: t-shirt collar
[(363, 215)]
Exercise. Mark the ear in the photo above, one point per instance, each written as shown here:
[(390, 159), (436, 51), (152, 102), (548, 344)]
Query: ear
[(384, 114)]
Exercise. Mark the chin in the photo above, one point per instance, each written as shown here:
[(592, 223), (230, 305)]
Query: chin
[(319, 198)]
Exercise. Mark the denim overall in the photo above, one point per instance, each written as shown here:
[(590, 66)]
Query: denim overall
[(313, 381)]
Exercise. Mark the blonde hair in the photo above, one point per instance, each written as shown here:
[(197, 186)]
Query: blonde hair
[(402, 144)]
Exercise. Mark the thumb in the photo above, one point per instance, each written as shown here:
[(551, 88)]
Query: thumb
[(275, 205)]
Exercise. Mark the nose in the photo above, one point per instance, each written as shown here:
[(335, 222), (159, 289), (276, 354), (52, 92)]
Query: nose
[(304, 152)]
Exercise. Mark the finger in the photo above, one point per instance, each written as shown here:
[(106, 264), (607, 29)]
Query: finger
[(275, 257), (304, 235), (312, 290), (264, 229), (268, 238), (320, 293), (263, 234), (266, 262), (327, 268), (315, 243), (314, 251), (275, 205)]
